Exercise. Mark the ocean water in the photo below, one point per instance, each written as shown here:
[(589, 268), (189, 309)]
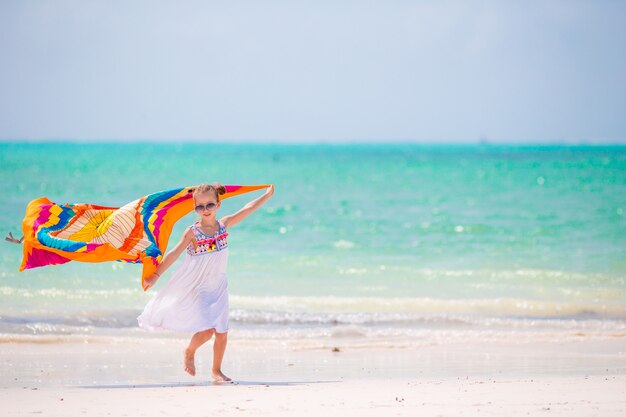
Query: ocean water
[(372, 241)]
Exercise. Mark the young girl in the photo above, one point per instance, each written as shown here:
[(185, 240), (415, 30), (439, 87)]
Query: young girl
[(196, 297)]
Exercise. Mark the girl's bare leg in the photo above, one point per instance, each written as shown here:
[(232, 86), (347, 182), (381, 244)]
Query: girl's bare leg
[(196, 341), (219, 347)]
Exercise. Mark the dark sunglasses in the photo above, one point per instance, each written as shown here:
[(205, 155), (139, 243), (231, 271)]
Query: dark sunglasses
[(209, 206)]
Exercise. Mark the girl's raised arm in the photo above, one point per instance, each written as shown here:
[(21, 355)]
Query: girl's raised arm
[(233, 219)]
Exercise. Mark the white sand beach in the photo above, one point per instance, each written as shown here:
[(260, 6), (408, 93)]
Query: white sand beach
[(98, 376)]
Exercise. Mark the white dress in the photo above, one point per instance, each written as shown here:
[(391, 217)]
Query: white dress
[(196, 296)]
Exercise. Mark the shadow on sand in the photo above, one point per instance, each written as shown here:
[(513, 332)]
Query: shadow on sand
[(208, 383)]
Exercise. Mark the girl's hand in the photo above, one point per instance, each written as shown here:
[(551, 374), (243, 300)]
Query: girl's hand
[(151, 280), (248, 209)]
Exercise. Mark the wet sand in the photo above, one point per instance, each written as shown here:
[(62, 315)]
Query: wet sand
[(101, 376)]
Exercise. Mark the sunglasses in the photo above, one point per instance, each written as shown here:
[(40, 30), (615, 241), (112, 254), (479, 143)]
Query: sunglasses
[(209, 207)]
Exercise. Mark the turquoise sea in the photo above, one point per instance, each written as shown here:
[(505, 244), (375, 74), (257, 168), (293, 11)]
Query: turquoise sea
[(367, 240)]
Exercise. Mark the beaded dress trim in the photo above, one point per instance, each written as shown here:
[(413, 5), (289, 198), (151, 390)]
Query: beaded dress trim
[(208, 243)]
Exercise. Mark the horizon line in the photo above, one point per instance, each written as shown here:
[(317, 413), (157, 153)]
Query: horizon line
[(481, 141)]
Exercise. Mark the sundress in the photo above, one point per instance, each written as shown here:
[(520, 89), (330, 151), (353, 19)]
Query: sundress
[(196, 296)]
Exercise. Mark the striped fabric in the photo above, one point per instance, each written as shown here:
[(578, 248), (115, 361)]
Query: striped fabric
[(137, 232)]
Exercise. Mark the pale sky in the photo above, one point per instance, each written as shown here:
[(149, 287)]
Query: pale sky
[(302, 71)]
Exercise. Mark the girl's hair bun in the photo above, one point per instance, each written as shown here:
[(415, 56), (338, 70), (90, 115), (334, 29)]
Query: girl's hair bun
[(219, 188), (216, 188)]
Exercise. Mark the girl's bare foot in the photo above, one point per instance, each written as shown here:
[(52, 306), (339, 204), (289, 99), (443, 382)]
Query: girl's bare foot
[(218, 376), (190, 367)]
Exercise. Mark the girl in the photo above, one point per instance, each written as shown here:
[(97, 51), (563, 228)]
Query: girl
[(196, 297)]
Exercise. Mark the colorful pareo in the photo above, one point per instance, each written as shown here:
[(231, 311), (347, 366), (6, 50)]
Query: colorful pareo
[(137, 232)]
